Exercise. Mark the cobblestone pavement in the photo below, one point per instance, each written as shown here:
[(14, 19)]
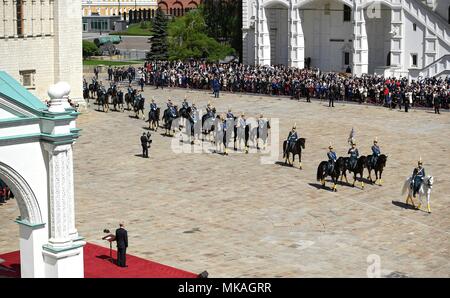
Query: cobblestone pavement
[(235, 217)]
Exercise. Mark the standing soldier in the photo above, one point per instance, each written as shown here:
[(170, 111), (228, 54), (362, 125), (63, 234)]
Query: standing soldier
[(436, 101), (331, 95), (144, 144)]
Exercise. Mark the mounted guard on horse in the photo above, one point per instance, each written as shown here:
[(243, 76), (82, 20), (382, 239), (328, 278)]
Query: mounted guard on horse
[(376, 162), (417, 177), (153, 115), (293, 144)]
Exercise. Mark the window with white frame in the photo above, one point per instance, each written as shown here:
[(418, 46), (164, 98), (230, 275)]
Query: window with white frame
[(27, 78)]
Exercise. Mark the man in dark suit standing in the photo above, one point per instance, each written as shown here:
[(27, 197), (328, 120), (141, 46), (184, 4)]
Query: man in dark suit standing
[(144, 143), (331, 95), (122, 244), (436, 102)]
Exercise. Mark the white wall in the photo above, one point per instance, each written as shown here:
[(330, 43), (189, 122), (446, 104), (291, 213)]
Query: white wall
[(319, 28), (52, 55), (277, 22), (32, 167), (378, 38), (414, 42), (29, 54)]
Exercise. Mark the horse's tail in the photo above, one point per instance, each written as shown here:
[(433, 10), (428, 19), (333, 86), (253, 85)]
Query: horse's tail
[(320, 171), (284, 148), (406, 185)]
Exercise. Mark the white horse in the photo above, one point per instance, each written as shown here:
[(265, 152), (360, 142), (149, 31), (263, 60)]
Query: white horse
[(425, 189), (252, 127), (219, 136)]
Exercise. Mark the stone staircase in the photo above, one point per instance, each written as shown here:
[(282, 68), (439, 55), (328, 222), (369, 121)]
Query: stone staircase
[(440, 67), (436, 26), (430, 3)]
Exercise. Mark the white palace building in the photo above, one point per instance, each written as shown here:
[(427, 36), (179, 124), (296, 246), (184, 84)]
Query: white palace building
[(409, 38), (41, 44)]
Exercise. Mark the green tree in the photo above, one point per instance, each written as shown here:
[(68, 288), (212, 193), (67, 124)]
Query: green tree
[(159, 46), (188, 39), (89, 49), (224, 21)]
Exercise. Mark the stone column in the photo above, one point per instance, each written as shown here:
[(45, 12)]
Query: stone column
[(262, 56), (360, 45), (296, 38), (32, 237), (63, 254), (59, 204)]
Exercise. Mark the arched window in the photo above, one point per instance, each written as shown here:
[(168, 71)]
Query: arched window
[(171, 11), (388, 59)]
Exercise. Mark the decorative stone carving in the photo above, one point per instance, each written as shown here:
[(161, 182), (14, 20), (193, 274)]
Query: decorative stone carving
[(60, 194)]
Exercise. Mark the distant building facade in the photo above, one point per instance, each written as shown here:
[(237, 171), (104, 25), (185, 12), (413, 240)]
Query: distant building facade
[(178, 7), (391, 37), (113, 8), (102, 24)]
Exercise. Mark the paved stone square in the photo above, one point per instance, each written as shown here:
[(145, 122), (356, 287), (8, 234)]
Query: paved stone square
[(235, 217)]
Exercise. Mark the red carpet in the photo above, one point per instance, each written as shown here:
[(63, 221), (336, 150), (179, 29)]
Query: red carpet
[(98, 265)]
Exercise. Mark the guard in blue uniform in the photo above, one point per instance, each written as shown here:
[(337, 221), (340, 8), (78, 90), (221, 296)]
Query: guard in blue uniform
[(332, 158), (153, 105), (417, 177), (292, 138), (185, 104), (230, 114), (130, 90), (209, 109), (354, 154), (173, 111), (376, 152), (102, 88), (169, 104)]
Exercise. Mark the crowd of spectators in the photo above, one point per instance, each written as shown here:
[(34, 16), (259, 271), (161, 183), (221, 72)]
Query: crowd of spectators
[(290, 81)]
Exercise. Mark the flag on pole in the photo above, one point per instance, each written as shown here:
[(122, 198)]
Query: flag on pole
[(351, 137)]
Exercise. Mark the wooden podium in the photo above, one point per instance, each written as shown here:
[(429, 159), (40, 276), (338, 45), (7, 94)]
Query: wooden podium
[(110, 238)]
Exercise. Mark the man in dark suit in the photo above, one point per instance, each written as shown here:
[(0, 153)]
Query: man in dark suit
[(122, 244), (331, 95), (436, 102), (144, 143)]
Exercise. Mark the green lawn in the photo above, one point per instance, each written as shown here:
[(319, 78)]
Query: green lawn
[(110, 63), (136, 30)]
